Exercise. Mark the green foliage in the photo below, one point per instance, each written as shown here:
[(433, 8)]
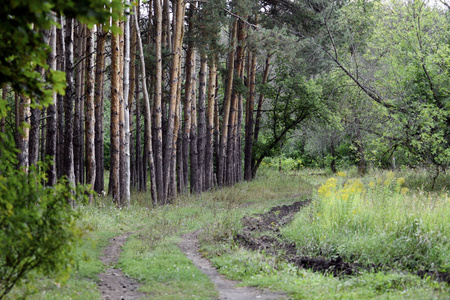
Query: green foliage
[(292, 99), (376, 222), (22, 46), (38, 228)]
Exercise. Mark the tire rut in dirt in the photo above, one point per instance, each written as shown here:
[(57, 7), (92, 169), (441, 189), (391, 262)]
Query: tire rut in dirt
[(113, 283), (226, 288), (253, 238)]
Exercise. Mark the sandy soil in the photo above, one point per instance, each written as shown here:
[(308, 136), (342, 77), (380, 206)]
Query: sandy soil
[(227, 289)]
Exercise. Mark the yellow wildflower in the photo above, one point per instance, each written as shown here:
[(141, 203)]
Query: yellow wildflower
[(401, 181)]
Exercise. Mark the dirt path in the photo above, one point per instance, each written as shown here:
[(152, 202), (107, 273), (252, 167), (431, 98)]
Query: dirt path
[(113, 283), (227, 288)]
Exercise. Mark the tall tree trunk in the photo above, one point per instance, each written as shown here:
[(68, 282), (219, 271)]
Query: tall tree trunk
[(190, 88), (122, 175), (50, 147), (79, 78), (90, 114), (209, 149), (259, 111), (201, 144), (99, 109), (133, 167), (126, 143), (115, 111), (139, 162), (234, 107), (23, 130), (148, 140), (60, 143), (227, 104), (158, 102), (173, 104), (34, 142), (249, 119), (68, 104)]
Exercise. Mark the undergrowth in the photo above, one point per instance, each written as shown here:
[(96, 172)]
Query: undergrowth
[(375, 221)]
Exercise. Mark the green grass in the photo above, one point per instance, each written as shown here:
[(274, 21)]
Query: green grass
[(378, 221), (152, 257), (256, 269)]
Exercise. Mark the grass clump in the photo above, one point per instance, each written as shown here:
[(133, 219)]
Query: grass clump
[(378, 221)]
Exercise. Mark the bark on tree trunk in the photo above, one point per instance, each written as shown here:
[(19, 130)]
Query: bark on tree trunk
[(209, 149), (249, 120), (90, 114), (227, 104), (115, 111), (126, 143), (99, 108), (158, 102), (201, 144), (50, 147), (79, 77), (148, 140), (61, 49), (190, 94), (68, 105), (259, 111), (173, 103), (23, 135)]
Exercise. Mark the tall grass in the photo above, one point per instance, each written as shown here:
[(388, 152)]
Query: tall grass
[(378, 221)]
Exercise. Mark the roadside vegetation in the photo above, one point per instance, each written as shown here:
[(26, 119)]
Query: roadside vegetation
[(385, 219)]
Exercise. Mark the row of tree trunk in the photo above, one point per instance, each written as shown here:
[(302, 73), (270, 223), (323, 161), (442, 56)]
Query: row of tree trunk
[(166, 117)]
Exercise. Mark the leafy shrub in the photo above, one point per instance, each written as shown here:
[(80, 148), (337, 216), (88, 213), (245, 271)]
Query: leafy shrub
[(37, 226)]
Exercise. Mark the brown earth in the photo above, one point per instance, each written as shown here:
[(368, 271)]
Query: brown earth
[(113, 283), (227, 288), (261, 232)]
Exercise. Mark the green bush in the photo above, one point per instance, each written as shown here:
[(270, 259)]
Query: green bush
[(37, 226)]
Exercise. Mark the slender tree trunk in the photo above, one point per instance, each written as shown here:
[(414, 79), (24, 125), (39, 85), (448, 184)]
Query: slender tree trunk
[(193, 153), (126, 121), (122, 175), (173, 104), (90, 111), (148, 140), (68, 104), (158, 102), (23, 131), (249, 120), (209, 156), (115, 111), (190, 88), (139, 162), (99, 108), (133, 167), (259, 111), (77, 130), (60, 143), (34, 142), (50, 147), (227, 105), (201, 145), (234, 107)]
